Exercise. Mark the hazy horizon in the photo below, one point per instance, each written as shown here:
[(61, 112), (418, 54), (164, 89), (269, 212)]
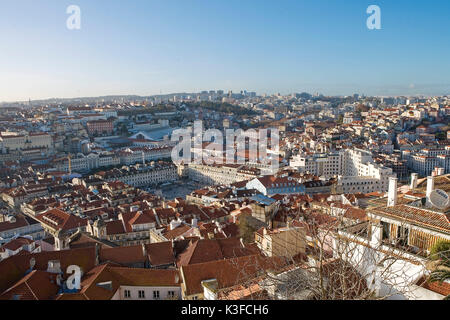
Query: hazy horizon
[(225, 92)]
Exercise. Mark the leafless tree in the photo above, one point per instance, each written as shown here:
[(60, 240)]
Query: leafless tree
[(339, 261)]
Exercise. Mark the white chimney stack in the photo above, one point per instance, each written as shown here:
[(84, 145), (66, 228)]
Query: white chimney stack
[(392, 193), (430, 185), (414, 178), (174, 224), (440, 171)]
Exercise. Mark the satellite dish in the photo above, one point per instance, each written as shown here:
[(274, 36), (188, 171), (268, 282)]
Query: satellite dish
[(439, 198)]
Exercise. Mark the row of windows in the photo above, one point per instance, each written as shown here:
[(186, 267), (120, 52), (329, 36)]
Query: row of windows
[(156, 294), (359, 183), (130, 237)]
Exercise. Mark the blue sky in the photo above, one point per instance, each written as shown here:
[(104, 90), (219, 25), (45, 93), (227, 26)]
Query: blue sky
[(146, 47)]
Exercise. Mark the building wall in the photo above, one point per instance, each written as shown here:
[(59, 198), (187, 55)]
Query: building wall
[(212, 175), (148, 292), (356, 167), (284, 242)]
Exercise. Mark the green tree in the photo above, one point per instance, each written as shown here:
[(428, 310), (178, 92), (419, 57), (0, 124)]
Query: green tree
[(441, 252), (246, 230)]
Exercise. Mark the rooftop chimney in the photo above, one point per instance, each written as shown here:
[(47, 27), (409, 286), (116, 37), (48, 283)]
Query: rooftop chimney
[(414, 178), (392, 193), (175, 224), (430, 185), (440, 171)]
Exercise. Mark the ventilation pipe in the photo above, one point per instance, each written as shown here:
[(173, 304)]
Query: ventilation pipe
[(392, 193), (430, 185), (414, 178)]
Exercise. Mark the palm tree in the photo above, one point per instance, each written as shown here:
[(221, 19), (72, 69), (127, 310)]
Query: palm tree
[(441, 253)]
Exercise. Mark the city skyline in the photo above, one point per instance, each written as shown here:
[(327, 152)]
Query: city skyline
[(147, 48), (200, 93)]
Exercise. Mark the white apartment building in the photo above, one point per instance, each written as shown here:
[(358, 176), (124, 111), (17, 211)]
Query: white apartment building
[(17, 245), (424, 161), (225, 174), (20, 226), (13, 141), (361, 175), (319, 164), (81, 162), (355, 169), (416, 114), (140, 176), (131, 156)]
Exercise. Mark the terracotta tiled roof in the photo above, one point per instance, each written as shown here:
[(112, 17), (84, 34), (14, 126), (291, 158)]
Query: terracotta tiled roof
[(205, 250), (135, 218), (60, 220), (123, 255), (37, 285), (147, 277), (175, 233), (142, 218), (442, 288), (165, 213), (114, 227), (83, 240), (417, 216), (272, 181), (252, 291), (120, 276), (13, 268), (160, 253), (15, 244), (228, 273), (440, 182), (355, 214), (20, 222)]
